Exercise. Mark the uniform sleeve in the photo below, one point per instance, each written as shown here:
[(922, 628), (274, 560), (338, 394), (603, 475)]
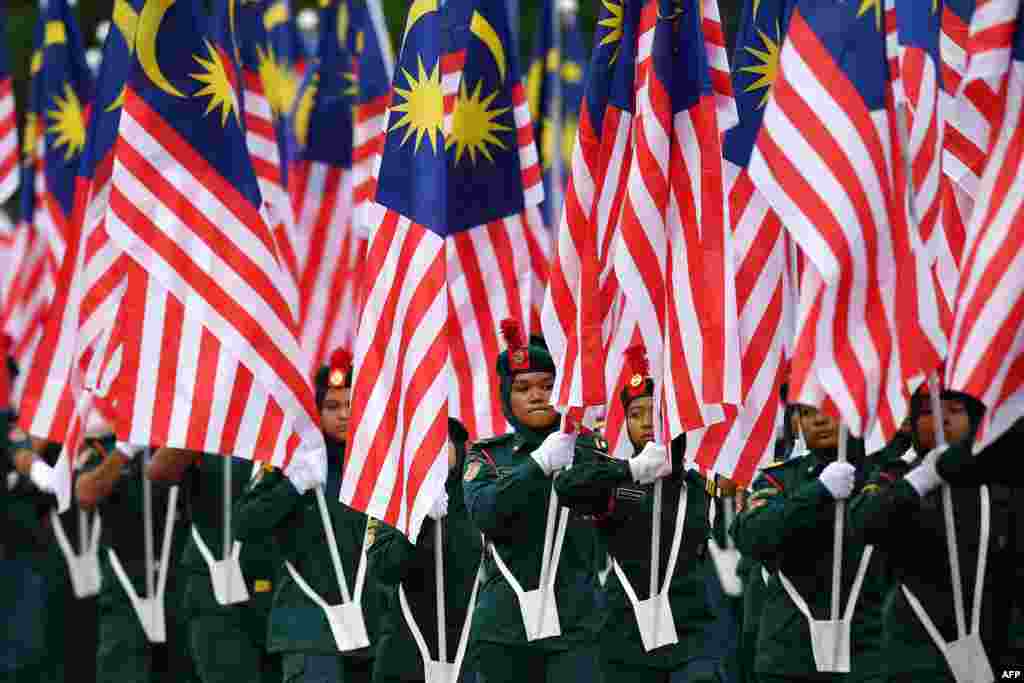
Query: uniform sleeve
[(494, 502), (588, 487), (392, 557), (775, 518), (263, 506), (866, 510), (960, 467)]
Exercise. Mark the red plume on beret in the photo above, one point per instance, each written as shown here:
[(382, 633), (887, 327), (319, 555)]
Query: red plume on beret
[(340, 364), (636, 361), (512, 333)]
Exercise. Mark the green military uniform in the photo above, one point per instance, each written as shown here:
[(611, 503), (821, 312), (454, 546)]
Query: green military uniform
[(228, 643), (393, 559), (788, 526), (602, 488), (124, 655), (32, 583), (507, 497), (910, 531), (994, 466), (298, 628), (750, 574)]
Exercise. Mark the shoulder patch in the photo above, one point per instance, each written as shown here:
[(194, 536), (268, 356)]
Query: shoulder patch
[(472, 470), (371, 530), (871, 488)]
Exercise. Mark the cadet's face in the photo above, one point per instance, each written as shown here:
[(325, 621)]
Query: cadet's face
[(530, 399), (640, 421), (819, 429), (334, 413), (955, 423), (453, 457)]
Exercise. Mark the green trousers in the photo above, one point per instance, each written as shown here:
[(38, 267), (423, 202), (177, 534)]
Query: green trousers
[(300, 667), (225, 651), (499, 663), (124, 655)]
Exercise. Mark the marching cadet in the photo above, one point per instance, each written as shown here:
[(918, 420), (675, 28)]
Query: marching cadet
[(900, 512), (111, 482), (285, 506), (788, 528), (507, 485), (394, 560), (227, 642), (994, 466), (618, 496)]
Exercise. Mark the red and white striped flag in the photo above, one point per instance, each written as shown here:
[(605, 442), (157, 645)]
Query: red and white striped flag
[(832, 187), (987, 350), (674, 251), (9, 165), (718, 63), (211, 360), (579, 317), (449, 260)]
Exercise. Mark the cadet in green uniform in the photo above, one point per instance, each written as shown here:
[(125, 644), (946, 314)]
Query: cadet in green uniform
[(995, 466), (393, 559), (29, 565), (285, 507), (788, 527), (618, 496), (507, 484), (900, 512), (228, 643), (111, 482)]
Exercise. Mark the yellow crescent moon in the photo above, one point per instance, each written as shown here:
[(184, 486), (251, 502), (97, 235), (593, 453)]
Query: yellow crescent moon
[(145, 43), (419, 9), (343, 23), (482, 29)]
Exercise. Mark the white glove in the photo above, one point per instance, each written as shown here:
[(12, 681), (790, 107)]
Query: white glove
[(128, 450), (42, 475), (307, 470), (651, 464), (439, 509), (555, 453), (839, 478), (925, 478)]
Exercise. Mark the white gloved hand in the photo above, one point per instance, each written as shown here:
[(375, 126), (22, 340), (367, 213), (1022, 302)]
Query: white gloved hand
[(839, 478), (651, 464), (42, 475), (555, 452), (439, 509), (307, 470), (925, 478)]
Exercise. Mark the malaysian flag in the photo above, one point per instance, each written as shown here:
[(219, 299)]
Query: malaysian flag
[(550, 66), (579, 326), (208, 346), (8, 124), (373, 67), (266, 84), (765, 298), (323, 127), (718, 63), (447, 261), (987, 348), (92, 277), (556, 68), (673, 258), (65, 94), (847, 220)]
